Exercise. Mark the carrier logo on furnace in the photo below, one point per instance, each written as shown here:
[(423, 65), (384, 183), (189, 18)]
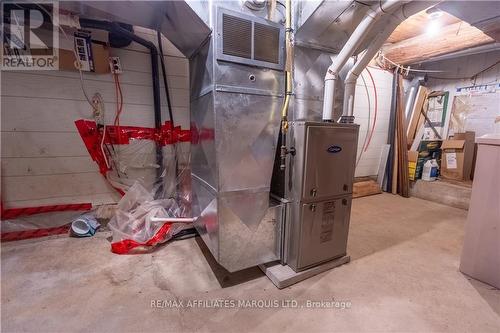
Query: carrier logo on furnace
[(334, 149)]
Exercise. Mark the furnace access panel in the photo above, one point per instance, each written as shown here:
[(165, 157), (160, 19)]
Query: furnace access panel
[(321, 188)]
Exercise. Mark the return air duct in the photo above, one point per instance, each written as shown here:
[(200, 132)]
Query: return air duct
[(248, 41)]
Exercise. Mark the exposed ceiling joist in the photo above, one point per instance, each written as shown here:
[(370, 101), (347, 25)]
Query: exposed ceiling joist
[(451, 38), (484, 15), (417, 24)]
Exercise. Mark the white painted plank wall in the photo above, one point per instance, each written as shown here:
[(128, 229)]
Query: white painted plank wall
[(463, 67), (369, 162), (44, 160), (458, 67)]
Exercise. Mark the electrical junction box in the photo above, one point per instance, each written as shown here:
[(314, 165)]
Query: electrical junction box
[(83, 50), (319, 184), (115, 65)]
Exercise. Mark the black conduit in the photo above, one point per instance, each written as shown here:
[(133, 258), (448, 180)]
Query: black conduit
[(117, 29), (164, 74), (169, 104), (154, 68)]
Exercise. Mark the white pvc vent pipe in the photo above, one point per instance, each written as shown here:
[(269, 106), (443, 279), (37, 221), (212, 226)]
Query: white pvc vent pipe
[(174, 219), (393, 21), (373, 15)]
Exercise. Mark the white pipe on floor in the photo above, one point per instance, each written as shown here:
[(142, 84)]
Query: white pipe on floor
[(374, 14), (393, 21), (174, 219)]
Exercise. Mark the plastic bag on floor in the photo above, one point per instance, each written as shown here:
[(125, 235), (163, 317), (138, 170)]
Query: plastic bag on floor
[(134, 227)]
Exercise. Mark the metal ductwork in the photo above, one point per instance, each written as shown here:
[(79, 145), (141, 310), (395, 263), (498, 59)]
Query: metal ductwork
[(237, 89), (167, 16), (249, 210), (236, 57)]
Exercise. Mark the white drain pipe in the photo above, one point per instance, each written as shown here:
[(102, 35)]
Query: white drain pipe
[(374, 14), (174, 219), (396, 18)]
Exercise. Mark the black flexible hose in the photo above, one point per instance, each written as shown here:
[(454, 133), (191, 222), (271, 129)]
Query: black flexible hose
[(164, 73)]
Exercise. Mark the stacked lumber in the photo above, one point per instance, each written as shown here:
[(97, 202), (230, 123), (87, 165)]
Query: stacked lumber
[(403, 181), (416, 119), (365, 188), (397, 168)]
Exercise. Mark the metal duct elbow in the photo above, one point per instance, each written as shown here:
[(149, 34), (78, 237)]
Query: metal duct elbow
[(373, 15)]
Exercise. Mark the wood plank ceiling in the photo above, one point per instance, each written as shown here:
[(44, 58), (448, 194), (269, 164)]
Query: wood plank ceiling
[(411, 43)]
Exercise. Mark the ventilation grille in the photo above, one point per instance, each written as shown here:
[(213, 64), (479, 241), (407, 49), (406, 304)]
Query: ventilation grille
[(266, 41), (236, 36), (249, 40)]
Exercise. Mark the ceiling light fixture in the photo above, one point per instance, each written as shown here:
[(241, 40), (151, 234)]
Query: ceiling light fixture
[(434, 13), (433, 28), (434, 25)]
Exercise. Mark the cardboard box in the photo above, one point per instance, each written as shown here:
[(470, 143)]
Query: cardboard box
[(470, 148), (457, 157), (100, 54)]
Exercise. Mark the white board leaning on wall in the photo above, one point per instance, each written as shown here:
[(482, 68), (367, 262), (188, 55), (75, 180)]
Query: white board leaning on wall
[(476, 109)]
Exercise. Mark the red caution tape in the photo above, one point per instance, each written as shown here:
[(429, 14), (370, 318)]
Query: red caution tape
[(165, 135), (16, 212), (127, 246), (121, 135), (35, 233)]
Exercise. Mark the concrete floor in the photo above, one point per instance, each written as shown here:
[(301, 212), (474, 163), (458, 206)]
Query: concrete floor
[(403, 277)]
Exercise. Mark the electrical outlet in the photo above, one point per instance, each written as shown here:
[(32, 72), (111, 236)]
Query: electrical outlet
[(115, 65)]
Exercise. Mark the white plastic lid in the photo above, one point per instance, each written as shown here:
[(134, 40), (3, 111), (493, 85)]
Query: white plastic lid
[(80, 227)]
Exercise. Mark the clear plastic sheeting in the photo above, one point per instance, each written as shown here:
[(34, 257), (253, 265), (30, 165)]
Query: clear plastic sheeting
[(477, 112), (135, 226), (150, 168), (39, 221), (129, 154), (144, 162)]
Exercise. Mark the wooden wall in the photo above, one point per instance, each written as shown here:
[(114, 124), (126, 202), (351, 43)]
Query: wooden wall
[(43, 159)]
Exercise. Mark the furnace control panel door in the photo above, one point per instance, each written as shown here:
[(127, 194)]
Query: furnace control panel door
[(329, 161), (324, 231)]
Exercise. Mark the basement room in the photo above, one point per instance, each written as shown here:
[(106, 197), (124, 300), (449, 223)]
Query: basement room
[(250, 166)]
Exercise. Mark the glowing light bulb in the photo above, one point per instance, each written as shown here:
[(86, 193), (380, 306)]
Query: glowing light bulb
[(433, 28)]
